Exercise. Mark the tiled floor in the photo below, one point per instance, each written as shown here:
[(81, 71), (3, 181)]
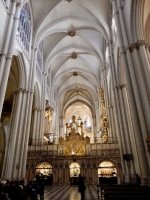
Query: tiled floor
[(69, 193)]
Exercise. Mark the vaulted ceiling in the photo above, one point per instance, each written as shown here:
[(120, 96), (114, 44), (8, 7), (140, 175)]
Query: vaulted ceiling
[(73, 36)]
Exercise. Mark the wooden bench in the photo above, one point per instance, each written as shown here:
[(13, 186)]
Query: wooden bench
[(128, 192), (105, 191), (122, 197)]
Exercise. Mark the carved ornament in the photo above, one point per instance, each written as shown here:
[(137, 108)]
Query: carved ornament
[(103, 119), (72, 33), (74, 143)]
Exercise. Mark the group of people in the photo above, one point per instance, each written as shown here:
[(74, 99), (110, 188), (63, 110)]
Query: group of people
[(15, 190)]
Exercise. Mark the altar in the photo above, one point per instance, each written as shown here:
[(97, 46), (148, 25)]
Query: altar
[(74, 142)]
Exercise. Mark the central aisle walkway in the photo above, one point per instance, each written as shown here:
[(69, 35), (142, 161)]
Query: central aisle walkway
[(69, 193)]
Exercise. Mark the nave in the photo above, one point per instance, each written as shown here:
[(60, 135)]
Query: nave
[(69, 193)]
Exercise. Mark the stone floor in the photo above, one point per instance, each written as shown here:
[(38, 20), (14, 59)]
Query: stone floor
[(69, 193)]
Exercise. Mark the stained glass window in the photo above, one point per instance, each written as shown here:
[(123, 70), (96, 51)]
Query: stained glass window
[(24, 28)]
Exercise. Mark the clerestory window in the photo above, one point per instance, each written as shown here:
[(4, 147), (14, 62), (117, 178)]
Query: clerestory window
[(24, 28)]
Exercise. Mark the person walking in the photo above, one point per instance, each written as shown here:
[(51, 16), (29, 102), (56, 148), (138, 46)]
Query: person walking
[(41, 188), (81, 186)]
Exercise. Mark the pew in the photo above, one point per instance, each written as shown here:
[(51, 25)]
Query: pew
[(119, 191)]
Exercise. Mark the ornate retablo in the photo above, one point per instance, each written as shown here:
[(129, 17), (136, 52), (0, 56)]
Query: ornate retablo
[(75, 142)]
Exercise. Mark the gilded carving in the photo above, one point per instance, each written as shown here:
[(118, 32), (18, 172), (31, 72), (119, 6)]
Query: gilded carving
[(103, 119), (74, 143)]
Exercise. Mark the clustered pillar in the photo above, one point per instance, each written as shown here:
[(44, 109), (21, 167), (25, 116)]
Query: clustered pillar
[(137, 107)]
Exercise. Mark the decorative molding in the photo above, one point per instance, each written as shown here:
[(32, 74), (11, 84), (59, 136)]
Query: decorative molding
[(141, 43), (103, 120), (74, 56), (72, 33), (133, 46), (35, 109), (25, 91), (138, 44), (121, 86), (75, 74), (18, 90)]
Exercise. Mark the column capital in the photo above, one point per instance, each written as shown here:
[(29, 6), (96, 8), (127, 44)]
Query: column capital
[(147, 45), (122, 50), (133, 46), (18, 90), (138, 44), (18, 4), (25, 91), (141, 43), (35, 109), (121, 86)]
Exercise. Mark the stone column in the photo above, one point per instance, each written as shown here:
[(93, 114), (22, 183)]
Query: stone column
[(42, 117), (26, 138), (19, 136), (7, 144), (7, 64), (148, 54), (26, 130), (34, 126), (139, 102), (142, 88), (137, 119), (13, 136), (107, 105), (145, 61), (61, 126), (38, 141), (119, 128), (7, 39), (125, 136)]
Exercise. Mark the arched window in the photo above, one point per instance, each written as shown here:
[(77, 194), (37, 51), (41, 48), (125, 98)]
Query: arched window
[(24, 28), (39, 62)]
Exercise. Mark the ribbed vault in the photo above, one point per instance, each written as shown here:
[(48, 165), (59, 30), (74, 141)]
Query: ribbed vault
[(73, 36)]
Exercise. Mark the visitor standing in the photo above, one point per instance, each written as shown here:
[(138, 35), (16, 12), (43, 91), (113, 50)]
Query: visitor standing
[(81, 186)]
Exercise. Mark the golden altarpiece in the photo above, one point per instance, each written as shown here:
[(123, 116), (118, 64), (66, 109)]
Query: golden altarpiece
[(73, 154)]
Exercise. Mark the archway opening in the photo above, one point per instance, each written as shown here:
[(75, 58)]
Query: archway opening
[(83, 117), (107, 173), (74, 173), (44, 169), (8, 112)]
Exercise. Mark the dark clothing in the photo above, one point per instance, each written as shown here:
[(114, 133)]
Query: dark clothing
[(41, 191), (81, 186), (138, 180)]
